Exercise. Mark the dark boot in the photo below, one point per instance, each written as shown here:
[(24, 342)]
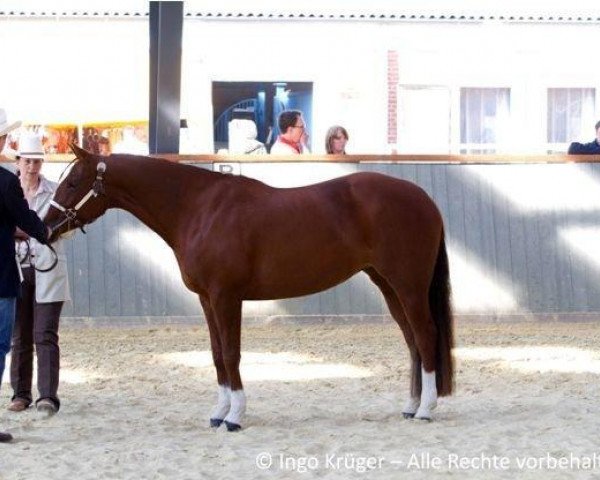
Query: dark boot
[(5, 437)]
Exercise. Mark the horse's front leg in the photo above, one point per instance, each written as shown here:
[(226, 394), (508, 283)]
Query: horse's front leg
[(221, 409), (228, 316)]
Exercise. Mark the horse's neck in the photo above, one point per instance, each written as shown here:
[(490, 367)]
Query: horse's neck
[(154, 191)]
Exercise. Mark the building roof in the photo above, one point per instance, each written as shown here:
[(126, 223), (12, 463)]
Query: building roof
[(528, 11)]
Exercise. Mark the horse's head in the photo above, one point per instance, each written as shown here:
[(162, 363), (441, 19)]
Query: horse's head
[(79, 198)]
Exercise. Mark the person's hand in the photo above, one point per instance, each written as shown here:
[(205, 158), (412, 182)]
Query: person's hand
[(20, 234)]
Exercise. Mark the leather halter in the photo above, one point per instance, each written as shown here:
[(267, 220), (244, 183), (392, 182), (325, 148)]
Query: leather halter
[(70, 214)]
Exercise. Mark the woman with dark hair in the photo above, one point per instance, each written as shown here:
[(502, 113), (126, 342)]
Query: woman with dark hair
[(335, 141)]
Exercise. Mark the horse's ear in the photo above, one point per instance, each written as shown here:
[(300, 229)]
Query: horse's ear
[(79, 152)]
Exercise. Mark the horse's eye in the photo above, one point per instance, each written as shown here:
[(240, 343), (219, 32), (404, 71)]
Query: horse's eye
[(70, 184)]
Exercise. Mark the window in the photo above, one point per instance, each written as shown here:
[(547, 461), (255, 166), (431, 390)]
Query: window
[(423, 119), (260, 102), (484, 119), (571, 117)]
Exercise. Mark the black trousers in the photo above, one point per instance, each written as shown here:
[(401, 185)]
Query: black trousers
[(35, 324)]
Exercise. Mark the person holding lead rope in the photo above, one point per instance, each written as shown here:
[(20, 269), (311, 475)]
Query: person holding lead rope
[(14, 212)]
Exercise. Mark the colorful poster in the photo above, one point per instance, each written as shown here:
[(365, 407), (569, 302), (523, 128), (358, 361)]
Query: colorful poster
[(56, 138), (116, 137)]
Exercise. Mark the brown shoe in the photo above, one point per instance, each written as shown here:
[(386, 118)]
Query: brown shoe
[(5, 437), (18, 405)]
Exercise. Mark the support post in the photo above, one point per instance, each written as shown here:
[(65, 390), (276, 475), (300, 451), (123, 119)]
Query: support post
[(166, 29)]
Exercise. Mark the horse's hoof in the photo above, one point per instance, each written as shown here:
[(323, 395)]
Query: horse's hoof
[(232, 427), (215, 422), (408, 415), (425, 419)]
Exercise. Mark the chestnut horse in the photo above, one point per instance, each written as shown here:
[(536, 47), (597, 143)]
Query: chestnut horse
[(237, 239)]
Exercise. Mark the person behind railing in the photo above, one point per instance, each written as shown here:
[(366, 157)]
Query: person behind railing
[(292, 126), (103, 145), (13, 212), (592, 148), (131, 142), (44, 293), (242, 138), (335, 140)]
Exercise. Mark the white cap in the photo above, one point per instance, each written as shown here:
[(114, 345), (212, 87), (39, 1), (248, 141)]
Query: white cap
[(6, 127)]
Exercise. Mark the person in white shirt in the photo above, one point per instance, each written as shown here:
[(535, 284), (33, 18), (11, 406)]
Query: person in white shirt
[(292, 128), (242, 138), (131, 142), (43, 293)]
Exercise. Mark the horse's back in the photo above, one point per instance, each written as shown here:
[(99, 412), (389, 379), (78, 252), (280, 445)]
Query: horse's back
[(365, 199), (383, 194), (387, 185), (360, 210), (368, 198)]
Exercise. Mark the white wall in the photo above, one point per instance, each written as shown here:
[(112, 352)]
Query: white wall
[(79, 70), (347, 63), (527, 58), (346, 68), (69, 70)]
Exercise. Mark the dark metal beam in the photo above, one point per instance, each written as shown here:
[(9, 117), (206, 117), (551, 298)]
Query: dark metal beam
[(166, 28)]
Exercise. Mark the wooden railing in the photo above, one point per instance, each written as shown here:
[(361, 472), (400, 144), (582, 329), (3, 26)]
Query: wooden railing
[(522, 251), (367, 158), (442, 159)]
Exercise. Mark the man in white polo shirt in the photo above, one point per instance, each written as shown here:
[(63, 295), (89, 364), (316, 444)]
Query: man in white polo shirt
[(292, 127)]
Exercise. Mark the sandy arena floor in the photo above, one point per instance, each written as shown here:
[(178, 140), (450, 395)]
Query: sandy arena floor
[(323, 402)]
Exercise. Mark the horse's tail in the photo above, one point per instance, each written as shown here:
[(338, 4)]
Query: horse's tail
[(441, 311)]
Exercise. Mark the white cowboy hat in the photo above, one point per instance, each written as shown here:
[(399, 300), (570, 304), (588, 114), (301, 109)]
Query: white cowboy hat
[(6, 127), (30, 146)]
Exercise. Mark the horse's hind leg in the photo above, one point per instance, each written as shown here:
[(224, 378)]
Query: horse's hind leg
[(412, 290), (412, 404), (415, 301), (223, 405)]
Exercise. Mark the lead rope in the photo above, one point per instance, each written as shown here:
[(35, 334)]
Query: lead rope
[(22, 258), (54, 262)]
